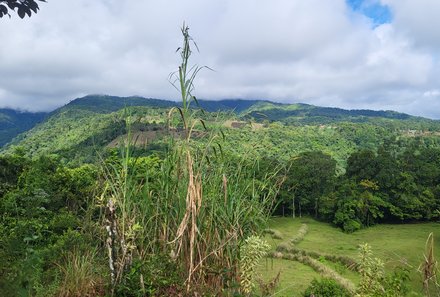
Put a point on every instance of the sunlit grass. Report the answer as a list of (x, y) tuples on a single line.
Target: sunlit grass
[(401, 244), (294, 279)]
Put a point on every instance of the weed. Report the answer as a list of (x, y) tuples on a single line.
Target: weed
[(79, 277)]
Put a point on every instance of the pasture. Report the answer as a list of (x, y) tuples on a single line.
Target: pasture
[(396, 245)]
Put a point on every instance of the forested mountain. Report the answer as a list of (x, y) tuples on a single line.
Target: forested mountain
[(13, 122), (108, 104), (91, 109), (87, 125)]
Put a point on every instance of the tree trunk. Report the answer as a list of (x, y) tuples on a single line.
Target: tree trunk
[(293, 206), (316, 208)]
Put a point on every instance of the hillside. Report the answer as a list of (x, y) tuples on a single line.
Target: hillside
[(305, 114), (88, 125), (108, 104), (13, 122)]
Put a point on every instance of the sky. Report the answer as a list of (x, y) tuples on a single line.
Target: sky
[(353, 54)]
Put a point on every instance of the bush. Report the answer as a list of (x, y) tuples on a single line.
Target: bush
[(325, 287), (351, 225), (157, 275)]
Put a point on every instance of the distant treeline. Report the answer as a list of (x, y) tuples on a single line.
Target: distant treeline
[(387, 185)]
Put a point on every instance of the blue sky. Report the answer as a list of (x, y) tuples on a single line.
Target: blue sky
[(378, 13)]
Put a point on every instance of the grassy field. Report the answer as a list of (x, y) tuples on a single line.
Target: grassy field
[(395, 244)]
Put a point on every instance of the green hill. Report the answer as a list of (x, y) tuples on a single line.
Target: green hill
[(297, 114), (90, 124), (13, 122), (107, 104)]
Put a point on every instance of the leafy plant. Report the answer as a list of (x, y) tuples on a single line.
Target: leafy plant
[(326, 287), (372, 273), (24, 7), (251, 252)]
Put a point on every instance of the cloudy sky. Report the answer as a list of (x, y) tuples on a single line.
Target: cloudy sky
[(375, 54)]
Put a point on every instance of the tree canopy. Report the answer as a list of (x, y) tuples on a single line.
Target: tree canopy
[(22, 7)]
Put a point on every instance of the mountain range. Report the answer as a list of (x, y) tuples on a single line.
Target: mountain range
[(93, 122)]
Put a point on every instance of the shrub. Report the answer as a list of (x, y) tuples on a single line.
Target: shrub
[(351, 226), (326, 287), (157, 275)]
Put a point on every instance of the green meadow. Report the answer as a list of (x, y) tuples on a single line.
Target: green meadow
[(396, 244)]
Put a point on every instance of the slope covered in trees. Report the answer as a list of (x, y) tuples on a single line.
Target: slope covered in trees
[(13, 122), (87, 125)]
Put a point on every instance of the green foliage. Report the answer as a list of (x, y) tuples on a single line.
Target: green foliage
[(326, 287), (251, 252), (86, 125), (196, 203), (388, 186), (40, 219), (156, 275), (374, 282), (180, 190), (372, 273), (310, 176)]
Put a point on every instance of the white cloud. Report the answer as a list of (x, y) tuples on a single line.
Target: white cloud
[(432, 93), (418, 20), (315, 51)]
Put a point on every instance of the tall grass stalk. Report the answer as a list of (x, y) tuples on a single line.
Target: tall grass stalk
[(216, 214), (194, 205), (429, 267)]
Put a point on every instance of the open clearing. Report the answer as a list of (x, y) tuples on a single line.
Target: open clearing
[(396, 245)]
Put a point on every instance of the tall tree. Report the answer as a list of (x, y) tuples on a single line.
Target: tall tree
[(313, 175), (362, 165)]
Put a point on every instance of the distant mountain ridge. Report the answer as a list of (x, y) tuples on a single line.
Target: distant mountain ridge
[(107, 103), (301, 113), (273, 110), (13, 123)]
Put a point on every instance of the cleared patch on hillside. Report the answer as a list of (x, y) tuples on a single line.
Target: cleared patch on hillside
[(241, 124), (142, 138)]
